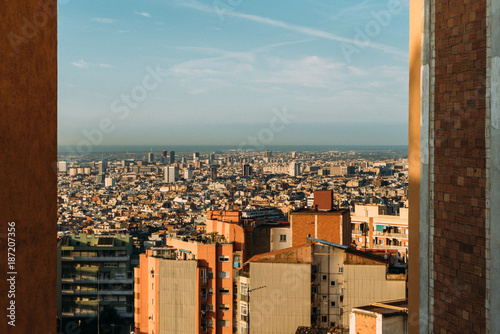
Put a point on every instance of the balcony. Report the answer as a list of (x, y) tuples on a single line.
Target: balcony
[(95, 258), (390, 235), (69, 314), (93, 292), (400, 248), (95, 281)]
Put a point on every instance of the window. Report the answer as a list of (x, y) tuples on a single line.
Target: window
[(341, 269), (223, 291), (323, 318), (314, 289), (111, 265), (244, 288), (210, 291), (203, 273), (333, 304), (324, 277), (332, 324), (224, 307), (223, 323), (333, 283), (223, 274), (244, 309), (325, 298), (282, 237), (210, 275), (210, 307), (223, 258), (243, 328), (210, 323)]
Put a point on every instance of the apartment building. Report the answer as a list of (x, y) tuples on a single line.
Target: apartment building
[(248, 236), (186, 287), (315, 284), (94, 271), (373, 229)]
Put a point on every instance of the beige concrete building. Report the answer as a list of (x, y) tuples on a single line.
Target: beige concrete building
[(316, 284)]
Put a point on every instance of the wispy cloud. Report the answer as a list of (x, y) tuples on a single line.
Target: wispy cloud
[(292, 27), (103, 20), (356, 8), (81, 63), (143, 14)]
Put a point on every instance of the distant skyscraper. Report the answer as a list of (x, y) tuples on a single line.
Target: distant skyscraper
[(171, 174), (62, 167), (196, 156), (211, 158), (247, 170), (269, 154), (102, 167), (151, 157), (188, 174), (213, 172), (294, 155), (171, 157), (164, 153), (183, 160), (109, 182), (294, 169)]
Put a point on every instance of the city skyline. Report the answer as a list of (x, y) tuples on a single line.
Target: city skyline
[(224, 72)]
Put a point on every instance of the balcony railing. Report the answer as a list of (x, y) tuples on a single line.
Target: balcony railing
[(93, 292), (392, 235), (79, 314), (95, 281), (390, 247), (95, 258)]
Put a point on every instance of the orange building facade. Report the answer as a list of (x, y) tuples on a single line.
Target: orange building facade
[(186, 286)]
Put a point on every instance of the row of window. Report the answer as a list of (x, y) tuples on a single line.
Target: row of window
[(203, 275), (222, 291)]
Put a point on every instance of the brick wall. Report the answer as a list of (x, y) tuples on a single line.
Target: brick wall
[(328, 227), (459, 167)]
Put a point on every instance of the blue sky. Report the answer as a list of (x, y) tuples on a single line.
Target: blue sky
[(218, 72)]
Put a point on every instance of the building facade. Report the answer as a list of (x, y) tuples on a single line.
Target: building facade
[(315, 284), (333, 226), (185, 287), (375, 231), (454, 166), (94, 272)]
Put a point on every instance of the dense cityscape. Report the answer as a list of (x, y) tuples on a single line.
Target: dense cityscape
[(178, 242)]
